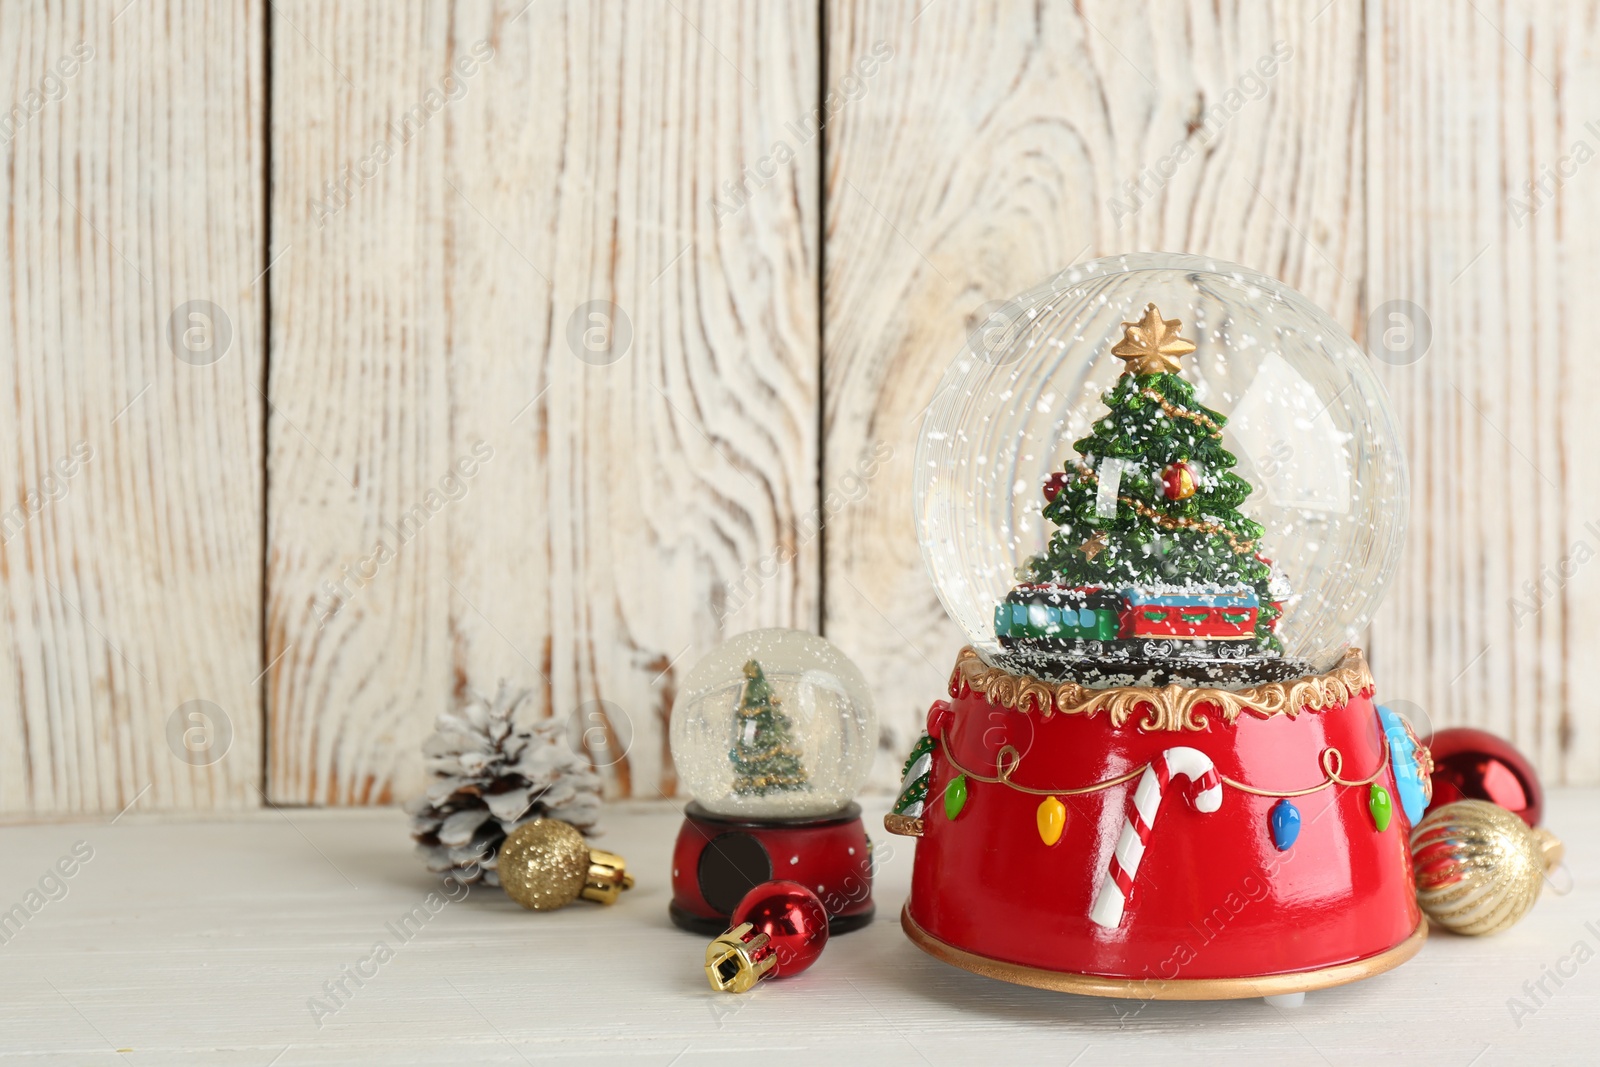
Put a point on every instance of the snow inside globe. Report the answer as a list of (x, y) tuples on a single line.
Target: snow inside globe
[(1161, 469), (774, 724)]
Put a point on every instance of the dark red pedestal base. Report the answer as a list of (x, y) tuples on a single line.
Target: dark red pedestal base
[(718, 859)]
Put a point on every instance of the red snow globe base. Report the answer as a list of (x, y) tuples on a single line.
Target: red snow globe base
[(718, 859), (1165, 843)]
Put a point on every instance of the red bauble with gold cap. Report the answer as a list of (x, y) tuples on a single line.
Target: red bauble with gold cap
[(1177, 481), (778, 930)]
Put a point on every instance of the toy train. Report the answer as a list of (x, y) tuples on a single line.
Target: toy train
[(1204, 621)]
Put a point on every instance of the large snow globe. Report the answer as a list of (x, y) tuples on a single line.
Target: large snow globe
[(1163, 499), (1161, 468)]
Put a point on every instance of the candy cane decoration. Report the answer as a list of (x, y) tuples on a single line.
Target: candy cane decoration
[(1204, 792)]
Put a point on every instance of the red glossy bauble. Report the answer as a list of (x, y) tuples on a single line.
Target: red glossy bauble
[(1476, 765), (1177, 481), (793, 917), (1054, 484)]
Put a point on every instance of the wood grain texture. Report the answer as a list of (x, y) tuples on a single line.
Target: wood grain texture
[(279, 906), (130, 479), (458, 490), (432, 302), (1495, 613), (986, 155)]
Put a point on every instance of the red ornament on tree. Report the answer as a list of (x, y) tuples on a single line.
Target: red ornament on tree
[(779, 929), (1177, 481), (1476, 765), (1054, 484)]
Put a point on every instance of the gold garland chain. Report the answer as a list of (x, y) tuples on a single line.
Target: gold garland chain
[(1174, 412), (771, 753), (1332, 761), (1167, 522)]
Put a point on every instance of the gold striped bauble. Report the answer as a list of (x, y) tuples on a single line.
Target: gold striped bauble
[(1478, 867)]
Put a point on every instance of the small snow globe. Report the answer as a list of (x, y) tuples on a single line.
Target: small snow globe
[(773, 736), (1161, 468), (774, 724)]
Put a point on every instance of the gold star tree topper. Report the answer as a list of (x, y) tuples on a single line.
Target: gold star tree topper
[(1152, 345)]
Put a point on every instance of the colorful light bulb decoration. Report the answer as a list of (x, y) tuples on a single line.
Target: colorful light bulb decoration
[(1052, 818), (1162, 639), (1285, 819), (955, 797), (1381, 806), (1413, 764)]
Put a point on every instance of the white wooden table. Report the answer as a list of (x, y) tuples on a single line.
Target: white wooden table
[(203, 942)]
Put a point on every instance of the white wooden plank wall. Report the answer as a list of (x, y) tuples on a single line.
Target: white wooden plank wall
[(436, 312), (457, 479), (1494, 620), (130, 478)]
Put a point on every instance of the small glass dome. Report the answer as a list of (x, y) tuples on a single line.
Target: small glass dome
[(1158, 468), (774, 724)]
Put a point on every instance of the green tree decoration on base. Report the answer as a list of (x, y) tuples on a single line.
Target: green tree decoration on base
[(1149, 502), (764, 754)]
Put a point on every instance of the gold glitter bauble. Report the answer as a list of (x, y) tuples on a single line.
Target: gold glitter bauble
[(543, 864), (1478, 867)]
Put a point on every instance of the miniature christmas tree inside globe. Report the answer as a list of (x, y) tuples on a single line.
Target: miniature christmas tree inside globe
[(1161, 469), (774, 724)]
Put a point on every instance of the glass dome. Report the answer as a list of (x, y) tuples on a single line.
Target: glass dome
[(1297, 555), (774, 724)]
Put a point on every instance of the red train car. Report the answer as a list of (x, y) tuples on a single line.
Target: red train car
[(1190, 615)]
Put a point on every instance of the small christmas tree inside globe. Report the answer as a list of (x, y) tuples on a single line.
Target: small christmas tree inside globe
[(774, 724), (1161, 469)]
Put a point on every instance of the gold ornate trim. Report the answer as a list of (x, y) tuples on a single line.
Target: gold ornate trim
[(1096, 985), (904, 825), (1171, 707)]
